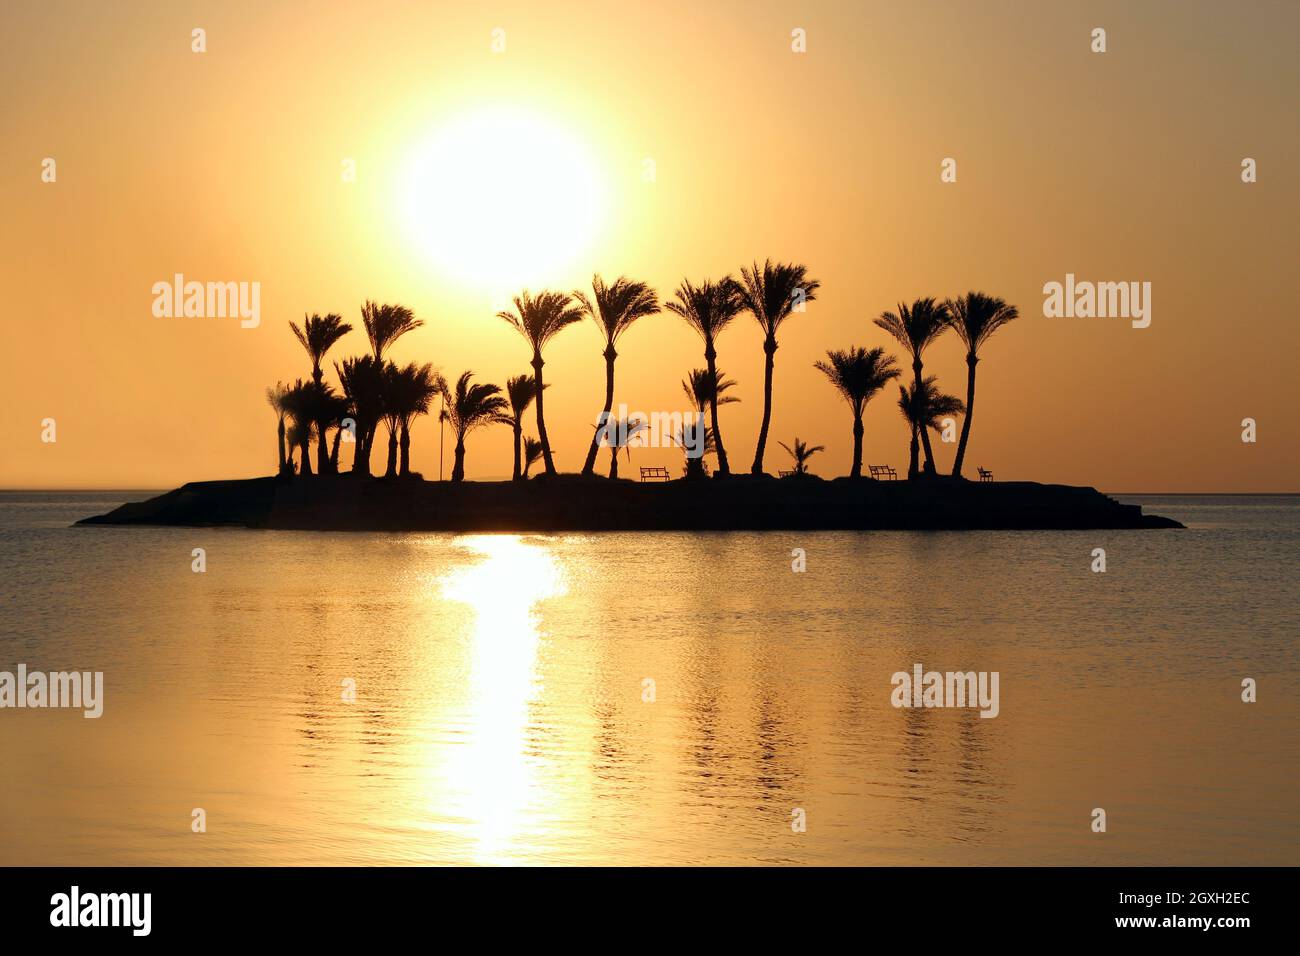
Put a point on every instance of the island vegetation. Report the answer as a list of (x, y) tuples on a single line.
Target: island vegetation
[(373, 390)]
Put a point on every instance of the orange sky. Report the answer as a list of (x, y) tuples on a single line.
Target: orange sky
[(225, 165)]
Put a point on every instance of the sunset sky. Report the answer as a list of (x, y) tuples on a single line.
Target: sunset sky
[(226, 166)]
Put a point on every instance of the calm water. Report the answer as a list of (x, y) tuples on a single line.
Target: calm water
[(499, 681)]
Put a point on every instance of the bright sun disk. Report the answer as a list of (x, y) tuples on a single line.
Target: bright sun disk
[(502, 199)]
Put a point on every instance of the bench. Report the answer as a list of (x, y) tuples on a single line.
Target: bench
[(654, 473), (882, 472), (985, 474)]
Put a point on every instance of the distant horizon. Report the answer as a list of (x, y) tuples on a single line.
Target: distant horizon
[(506, 478)]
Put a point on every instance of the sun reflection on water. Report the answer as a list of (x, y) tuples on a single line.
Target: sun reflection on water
[(507, 578)]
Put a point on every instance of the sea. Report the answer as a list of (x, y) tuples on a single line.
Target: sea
[(636, 699)]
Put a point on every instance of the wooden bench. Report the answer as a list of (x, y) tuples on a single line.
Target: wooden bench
[(985, 474), (882, 472), (654, 473)]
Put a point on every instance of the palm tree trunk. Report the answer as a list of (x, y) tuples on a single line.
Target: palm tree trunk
[(711, 360), (334, 451), (912, 467), (390, 471), (322, 448), (361, 456), (590, 465), (280, 431), (971, 359), (541, 420), (404, 468), (925, 432), (856, 471), (306, 458), (613, 461), (458, 468), (769, 349), (929, 454), (518, 435)]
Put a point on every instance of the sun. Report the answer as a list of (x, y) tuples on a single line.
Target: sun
[(500, 198)]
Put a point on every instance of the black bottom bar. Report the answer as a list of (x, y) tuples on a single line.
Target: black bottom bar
[(328, 905)]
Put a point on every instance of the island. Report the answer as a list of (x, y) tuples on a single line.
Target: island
[(565, 503)]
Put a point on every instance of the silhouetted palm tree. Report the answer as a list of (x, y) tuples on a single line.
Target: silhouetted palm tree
[(696, 440), (916, 327), (299, 437), (613, 308), (699, 386), (315, 405), (318, 335), (468, 407), (923, 408), (771, 294), (362, 378), (801, 453), (326, 409), (391, 416), (442, 421), (858, 375), (619, 434), (701, 391), (301, 403), (410, 393), (532, 452), (343, 421), (385, 324), (520, 390), (975, 317), (275, 398), (538, 319), (708, 308)]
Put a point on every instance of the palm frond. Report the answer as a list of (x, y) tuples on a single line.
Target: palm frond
[(275, 397), (539, 318), (520, 392), (926, 407), (615, 307), (916, 326), (532, 452), (385, 324), (801, 452), (471, 405), (318, 335), (976, 316), (700, 388), (858, 373), (769, 292), (709, 307)]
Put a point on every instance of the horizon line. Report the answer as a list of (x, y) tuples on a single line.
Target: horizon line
[(1123, 494)]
